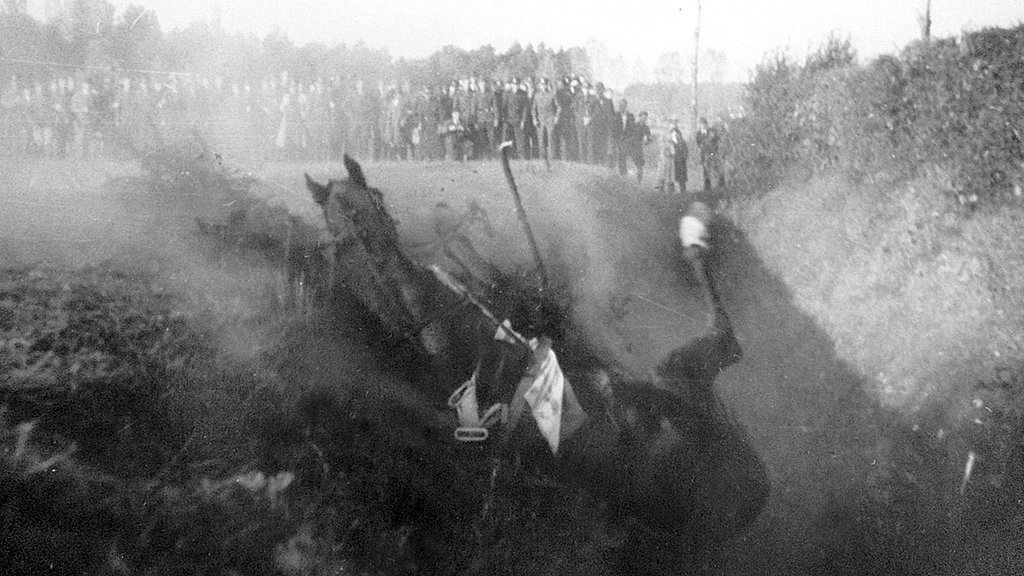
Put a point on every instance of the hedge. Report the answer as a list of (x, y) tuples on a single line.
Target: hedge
[(952, 107)]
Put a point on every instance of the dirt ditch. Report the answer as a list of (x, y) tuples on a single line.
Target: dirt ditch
[(187, 420)]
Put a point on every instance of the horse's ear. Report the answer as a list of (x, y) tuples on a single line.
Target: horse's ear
[(320, 192), (355, 171)]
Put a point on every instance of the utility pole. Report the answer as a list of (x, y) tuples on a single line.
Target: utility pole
[(926, 22), (696, 56)]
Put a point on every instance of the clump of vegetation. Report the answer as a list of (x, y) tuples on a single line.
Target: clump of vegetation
[(105, 469), (93, 350), (943, 109), (95, 456), (64, 515), (102, 389), (189, 166)]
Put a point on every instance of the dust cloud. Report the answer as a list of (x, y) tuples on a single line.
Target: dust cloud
[(841, 500)]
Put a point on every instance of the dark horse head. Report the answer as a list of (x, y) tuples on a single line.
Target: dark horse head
[(369, 265), (664, 453)]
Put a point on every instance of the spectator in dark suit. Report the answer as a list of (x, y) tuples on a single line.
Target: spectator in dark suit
[(456, 145), (707, 139), (611, 146), (565, 133), (485, 119), (679, 157), (545, 115), (517, 107), (498, 133), (581, 112), (624, 131), (531, 149), (641, 137), (600, 121), (511, 119)]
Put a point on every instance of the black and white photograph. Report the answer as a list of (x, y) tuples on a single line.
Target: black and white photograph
[(511, 287)]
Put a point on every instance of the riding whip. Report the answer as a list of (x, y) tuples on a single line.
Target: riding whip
[(521, 213)]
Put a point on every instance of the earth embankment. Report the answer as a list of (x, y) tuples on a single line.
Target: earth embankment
[(826, 289), (922, 297), (838, 447)]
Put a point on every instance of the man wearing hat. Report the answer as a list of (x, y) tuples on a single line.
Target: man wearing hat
[(565, 131), (612, 135), (707, 139), (545, 114), (530, 147), (497, 132), (673, 162), (483, 106), (517, 110), (680, 156), (508, 100), (624, 131), (581, 113), (641, 137), (599, 125)]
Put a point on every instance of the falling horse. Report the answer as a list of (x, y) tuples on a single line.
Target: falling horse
[(369, 264), (662, 452)]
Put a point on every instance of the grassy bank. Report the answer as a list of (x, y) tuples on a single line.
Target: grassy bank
[(923, 297)]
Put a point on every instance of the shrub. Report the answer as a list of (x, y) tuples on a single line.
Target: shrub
[(762, 146), (951, 106)]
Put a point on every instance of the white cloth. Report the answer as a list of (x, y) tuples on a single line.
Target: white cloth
[(545, 400), (693, 232), (545, 389)]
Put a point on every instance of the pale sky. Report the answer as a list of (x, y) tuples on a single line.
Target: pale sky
[(742, 29)]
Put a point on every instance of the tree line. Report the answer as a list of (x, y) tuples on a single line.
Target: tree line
[(90, 35)]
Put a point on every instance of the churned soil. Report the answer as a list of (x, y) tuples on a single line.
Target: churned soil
[(103, 272)]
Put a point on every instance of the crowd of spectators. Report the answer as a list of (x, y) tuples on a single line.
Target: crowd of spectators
[(280, 117)]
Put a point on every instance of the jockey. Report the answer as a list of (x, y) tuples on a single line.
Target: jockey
[(693, 234)]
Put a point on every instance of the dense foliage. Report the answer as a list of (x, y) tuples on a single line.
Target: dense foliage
[(948, 109)]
